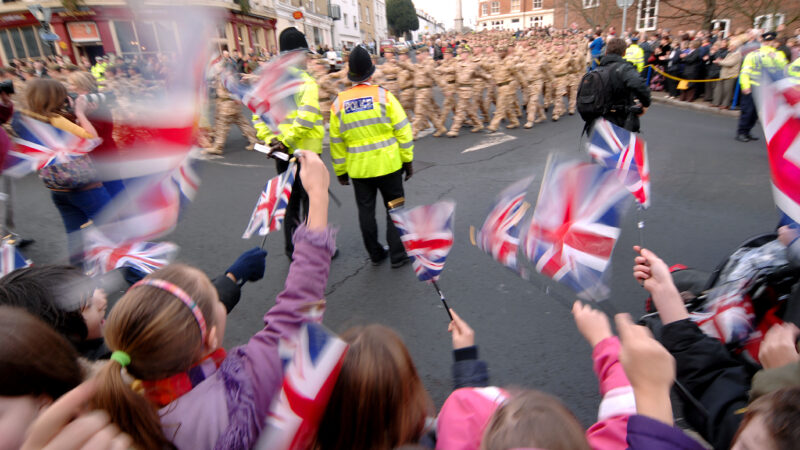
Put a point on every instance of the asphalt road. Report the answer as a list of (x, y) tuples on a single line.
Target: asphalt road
[(709, 193)]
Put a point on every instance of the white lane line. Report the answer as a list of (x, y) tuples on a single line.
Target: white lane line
[(490, 141)]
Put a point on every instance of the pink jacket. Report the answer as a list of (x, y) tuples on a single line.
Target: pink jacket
[(467, 411)]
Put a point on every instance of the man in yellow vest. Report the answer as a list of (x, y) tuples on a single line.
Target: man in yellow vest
[(793, 70), (302, 129), (765, 58), (634, 54), (372, 144)]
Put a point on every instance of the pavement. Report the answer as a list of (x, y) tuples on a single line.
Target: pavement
[(697, 105), (709, 193)]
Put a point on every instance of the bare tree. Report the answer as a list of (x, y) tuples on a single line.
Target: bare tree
[(753, 9), (704, 10), (604, 14)]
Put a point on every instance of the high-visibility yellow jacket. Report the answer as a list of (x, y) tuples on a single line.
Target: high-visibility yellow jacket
[(370, 133), (99, 70), (766, 56), (635, 55), (302, 128), (793, 70)]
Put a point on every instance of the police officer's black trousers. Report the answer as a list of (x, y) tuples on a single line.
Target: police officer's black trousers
[(749, 115), (299, 197), (366, 190)]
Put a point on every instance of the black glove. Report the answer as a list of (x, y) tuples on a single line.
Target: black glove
[(344, 180), (250, 266), (278, 146), (408, 168)]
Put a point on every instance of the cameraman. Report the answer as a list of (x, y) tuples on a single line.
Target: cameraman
[(630, 96)]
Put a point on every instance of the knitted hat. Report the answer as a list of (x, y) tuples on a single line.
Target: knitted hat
[(360, 65), (292, 39)]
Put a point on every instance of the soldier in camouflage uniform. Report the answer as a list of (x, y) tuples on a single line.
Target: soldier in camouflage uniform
[(504, 72), (537, 72), (468, 74), (228, 112), (447, 80), (405, 82), (425, 108)]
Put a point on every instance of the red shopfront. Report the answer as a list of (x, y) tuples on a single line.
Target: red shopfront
[(100, 30)]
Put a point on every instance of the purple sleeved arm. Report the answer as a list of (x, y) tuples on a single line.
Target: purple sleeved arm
[(300, 301)]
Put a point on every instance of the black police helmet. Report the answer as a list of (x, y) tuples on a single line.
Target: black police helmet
[(291, 39), (360, 65)]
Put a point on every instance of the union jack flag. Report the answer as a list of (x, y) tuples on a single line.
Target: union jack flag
[(102, 256), (427, 235), (730, 317), (11, 259), (271, 207), (499, 235), (275, 93), (47, 144), (778, 101), (617, 148), (308, 381), (17, 165), (575, 226)]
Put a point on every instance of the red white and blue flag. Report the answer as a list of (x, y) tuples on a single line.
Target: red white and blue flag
[(11, 259), (616, 148), (308, 380), (18, 165), (427, 235), (102, 256), (46, 144), (575, 226), (276, 91), (778, 101), (270, 210), (499, 235)]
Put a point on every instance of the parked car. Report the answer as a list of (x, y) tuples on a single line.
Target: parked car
[(386, 43)]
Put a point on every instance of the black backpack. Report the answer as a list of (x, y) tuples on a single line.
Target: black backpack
[(594, 93)]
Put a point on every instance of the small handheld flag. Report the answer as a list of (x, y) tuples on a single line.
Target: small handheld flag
[(616, 148), (270, 209), (427, 235), (308, 380), (575, 226), (102, 255), (499, 235), (274, 94)]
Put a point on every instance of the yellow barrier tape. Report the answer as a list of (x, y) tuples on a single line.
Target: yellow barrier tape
[(683, 79), (597, 61)]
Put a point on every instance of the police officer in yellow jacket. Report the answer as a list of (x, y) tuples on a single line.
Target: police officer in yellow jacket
[(793, 70), (634, 54), (302, 129), (750, 75), (372, 144)]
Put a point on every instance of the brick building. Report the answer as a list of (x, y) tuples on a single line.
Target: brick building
[(514, 14), (643, 15)]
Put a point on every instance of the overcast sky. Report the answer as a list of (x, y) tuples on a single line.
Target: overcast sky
[(445, 10)]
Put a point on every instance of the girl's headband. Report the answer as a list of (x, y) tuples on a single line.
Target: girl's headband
[(182, 296)]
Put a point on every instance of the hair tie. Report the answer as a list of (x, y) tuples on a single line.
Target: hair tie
[(181, 295), (121, 357)]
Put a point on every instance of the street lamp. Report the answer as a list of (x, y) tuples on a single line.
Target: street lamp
[(43, 15)]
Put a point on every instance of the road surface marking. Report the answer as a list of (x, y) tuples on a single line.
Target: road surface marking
[(490, 141)]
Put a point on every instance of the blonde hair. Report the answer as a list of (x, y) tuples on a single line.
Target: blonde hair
[(83, 80), (162, 338)]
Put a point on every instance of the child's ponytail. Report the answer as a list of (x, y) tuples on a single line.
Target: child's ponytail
[(129, 410)]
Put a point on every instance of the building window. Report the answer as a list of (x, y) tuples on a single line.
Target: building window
[(537, 21), (647, 15), (537, 4), (514, 5), (768, 21), (495, 7), (591, 4), (514, 20), (145, 37), (484, 10), (23, 43), (345, 21), (723, 25), (366, 14)]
